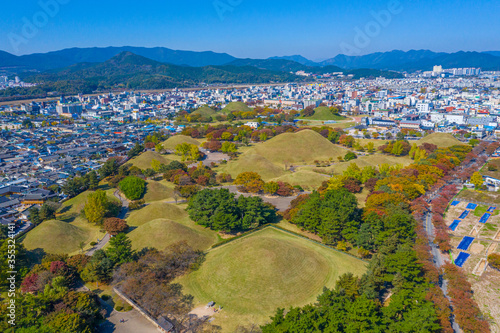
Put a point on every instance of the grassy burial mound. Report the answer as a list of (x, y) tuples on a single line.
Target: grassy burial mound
[(323, 113), (205, 112), (252, 276), (443, 140), (56, 237), (157, 191), (161, 233), (236, 106), (143, 161), (175, 140), (156, 210), (303, 147)]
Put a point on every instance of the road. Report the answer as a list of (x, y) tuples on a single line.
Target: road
[(435, 251), (121, 215)]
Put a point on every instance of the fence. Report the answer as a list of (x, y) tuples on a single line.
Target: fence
[(145, 314)]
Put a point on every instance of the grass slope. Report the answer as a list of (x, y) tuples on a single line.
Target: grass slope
[(161, 233), (252, 276), (56, 237), (175, 140), (236, 106), (156, 191), (143, 161), (440, 139), (303, 147), (156, 210), (323, 113), (205, 111)]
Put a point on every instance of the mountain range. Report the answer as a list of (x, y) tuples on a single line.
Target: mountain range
[(409, 61)]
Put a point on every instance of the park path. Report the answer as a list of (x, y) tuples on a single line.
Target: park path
[(107, 237)]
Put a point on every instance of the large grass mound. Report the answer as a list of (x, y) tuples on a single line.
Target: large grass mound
[(161, 233), (156, 210), (156, 191), (303, 147), (252, 162), (175, 140), (323, 113), (236, 106), (205, 111), (143, 161), (56, 237), (440, 139), (252, 276)]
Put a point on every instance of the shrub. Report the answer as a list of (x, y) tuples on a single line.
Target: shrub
[(119, 308), (105, 297), (93, 243)]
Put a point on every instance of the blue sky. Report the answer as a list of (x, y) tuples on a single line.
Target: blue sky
[(253, 28)]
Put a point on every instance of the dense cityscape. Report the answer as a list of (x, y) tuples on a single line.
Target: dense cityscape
[(249, 167)]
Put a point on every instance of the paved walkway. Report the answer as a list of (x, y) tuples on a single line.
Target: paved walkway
[(134, 322)]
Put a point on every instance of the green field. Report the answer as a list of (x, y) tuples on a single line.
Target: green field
[(161, 233), (236, 106), (143, 161), (175, 140), (158, 190), (323, 113), (440, 139), (252, 276)]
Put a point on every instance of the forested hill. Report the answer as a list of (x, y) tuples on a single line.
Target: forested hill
[(130, 71)]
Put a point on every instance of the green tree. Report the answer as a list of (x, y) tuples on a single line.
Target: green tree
[(228, 147), (133, 187), (120, 249), (156, 165), (271, 187), (109, 168), (477, 180), (96, 206)]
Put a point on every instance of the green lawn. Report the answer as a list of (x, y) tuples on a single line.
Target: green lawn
[(252, 276)]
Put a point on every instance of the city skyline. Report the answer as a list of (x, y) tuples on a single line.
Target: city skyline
[(316, 31)]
